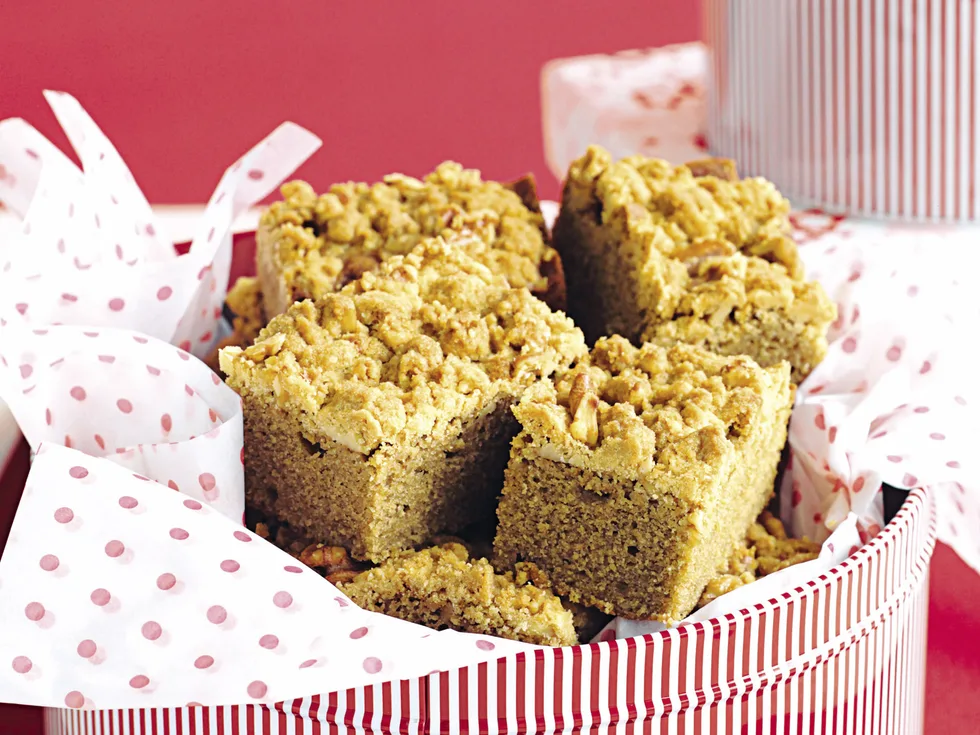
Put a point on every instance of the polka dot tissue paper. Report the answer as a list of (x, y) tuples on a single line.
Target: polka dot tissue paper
[(128, 579)]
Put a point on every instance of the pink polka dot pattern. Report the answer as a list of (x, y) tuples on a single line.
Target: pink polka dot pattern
[(87, 648), (49, 562), (203, 662), (242, 536), (485, 645), (179, 534), (128, 502), (100, 597), (192, 504), (115, 549), (166, 581), (64, 515), (79, 473), (308, 663), (217, 614), (230, 565), (139, 682), (269, 642), (22, 664), (151, 630), (74, 700), (282, 599), (34, 611), (257, 689), (372, 665), (358, 633)]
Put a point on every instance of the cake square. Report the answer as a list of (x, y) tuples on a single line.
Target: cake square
[(664, 254), (638, 471), (442, 587), (380, 415), (308, 245)]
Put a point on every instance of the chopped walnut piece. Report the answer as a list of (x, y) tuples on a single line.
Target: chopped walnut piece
[(721, 168), (342, 576), (696, 253)]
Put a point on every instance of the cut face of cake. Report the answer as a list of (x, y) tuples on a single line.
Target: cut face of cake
[(693, 254), (638, 471), (309, 245), (380, 415), (441, 587)]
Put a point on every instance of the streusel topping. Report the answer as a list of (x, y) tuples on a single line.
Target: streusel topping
[(427, 338), (328, 240), (641, 409), (696, 204)]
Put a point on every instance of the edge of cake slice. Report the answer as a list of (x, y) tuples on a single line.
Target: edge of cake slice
[(638, 471), (692, 254)]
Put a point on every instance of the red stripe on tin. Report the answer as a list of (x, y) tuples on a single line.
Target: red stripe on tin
[(481, 695), (559, 684), (500, 706)]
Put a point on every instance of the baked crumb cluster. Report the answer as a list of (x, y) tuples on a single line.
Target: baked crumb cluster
[(767, 549), (309, 245), (441, 587), (624, 408), (701, 256), (421, 341)]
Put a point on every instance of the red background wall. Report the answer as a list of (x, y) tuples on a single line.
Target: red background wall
[(183, 87)]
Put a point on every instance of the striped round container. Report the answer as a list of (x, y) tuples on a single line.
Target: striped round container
[(869, 107), (843, 654)]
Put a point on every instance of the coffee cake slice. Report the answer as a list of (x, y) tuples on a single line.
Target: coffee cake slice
[(308, 246), (637, 472), (441, 587), (380, 415), (661, 253)]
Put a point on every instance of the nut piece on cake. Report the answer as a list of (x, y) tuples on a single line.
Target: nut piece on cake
[(244, 304), (309, 245), (380, 415), (441, 587), (667, 254), (639, 509)]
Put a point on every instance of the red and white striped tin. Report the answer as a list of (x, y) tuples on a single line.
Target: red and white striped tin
[(864, 106), (844, 653)]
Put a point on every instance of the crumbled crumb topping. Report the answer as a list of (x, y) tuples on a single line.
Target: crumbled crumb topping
[(467, 592), (700, 243), (640, 408), (326, 241), (428, 337)]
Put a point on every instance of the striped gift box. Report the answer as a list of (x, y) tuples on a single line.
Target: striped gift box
[(844, 653), (862, 106)]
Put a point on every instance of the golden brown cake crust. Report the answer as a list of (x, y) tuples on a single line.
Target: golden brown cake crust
[(309, 245), (426, 339), (441, 587), (380, 415), (638, 470), (658, 253), (627, 410)]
